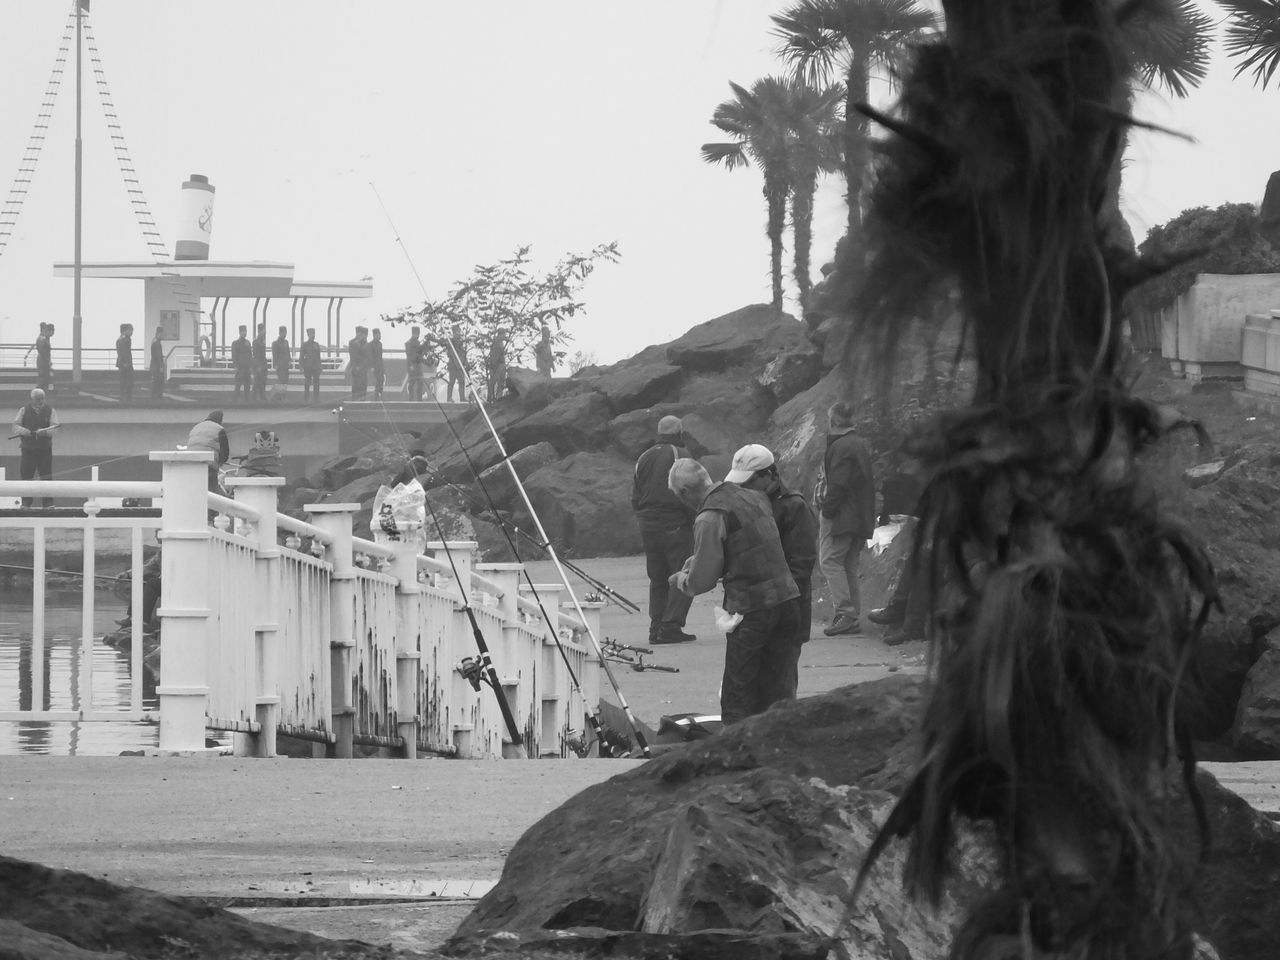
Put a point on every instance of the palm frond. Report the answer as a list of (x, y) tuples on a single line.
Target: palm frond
[(1169, 42), (732, 155), (1253, 37)]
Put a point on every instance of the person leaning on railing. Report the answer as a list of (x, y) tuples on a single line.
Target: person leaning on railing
[(33, 427)]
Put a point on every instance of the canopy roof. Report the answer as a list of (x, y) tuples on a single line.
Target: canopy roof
[(222, 278)]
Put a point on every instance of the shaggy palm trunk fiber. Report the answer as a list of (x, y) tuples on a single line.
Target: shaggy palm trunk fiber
[(1066, 603)]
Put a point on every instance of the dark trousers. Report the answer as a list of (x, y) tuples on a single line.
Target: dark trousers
[(310, 382), (790, 683), (667, 545), (157, 381), (757, 661), (260, 382), (34, 462), (126, 383), (359, 382), (415, 381), (44, 377), (243, 380), (379, 381)]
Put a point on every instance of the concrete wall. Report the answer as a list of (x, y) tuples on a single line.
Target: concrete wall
[(1260, 353), (1202, 331)]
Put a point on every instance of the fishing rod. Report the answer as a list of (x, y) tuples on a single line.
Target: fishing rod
[(511, 526), (64, 573), (524, 495), (484, 667)]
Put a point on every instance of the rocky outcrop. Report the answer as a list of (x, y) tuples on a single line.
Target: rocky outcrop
[(637, 387), (742, 337), (571, 424), (758, 832), (527, 461), (580, 501)]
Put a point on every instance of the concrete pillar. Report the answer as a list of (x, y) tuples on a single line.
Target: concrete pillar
[(590, 676), (261, 493), (404, 567), (184, 598), (335, 519)]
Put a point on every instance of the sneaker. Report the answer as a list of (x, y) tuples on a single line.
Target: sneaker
[(687, 636), (843, 625), (899, 637), (886, 616), (671, 634)]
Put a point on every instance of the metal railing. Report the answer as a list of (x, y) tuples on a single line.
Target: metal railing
[(352, 643)]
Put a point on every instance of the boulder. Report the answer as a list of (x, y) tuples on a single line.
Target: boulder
[(361, 490), (751, 336), (724, 411), (584, 502), (449, 456), (797, 431), (758, 831), (791, 372), (530, 388), (527, 461), (570, 424), (1203, 473), (632, 387), (1257, 727)]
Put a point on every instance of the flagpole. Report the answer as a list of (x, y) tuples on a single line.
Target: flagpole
[(76, 322)]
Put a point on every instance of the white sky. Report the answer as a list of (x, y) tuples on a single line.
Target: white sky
[(561, 124)]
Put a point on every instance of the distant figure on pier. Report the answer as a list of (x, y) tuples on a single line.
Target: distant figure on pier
[(309, 361), (242, 361), (157, 364), (209, 434), (414, 350), (358, 363), (430, 371), (543, 357), (124, 361), (44, 356), (282, 356), (457, 364), (496, 372), (376, 365), (34, 426), (260, 364)]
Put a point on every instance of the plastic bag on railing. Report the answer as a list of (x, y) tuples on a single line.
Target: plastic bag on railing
[(399, 513)]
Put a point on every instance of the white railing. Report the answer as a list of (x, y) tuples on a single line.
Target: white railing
[(259, 638)]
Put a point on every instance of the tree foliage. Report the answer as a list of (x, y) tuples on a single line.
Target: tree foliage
[(1229, 239), (508, 303), (1253, 37)]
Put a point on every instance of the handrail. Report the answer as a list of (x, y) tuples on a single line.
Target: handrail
[(491, 587), (302, 528), (233, 508), (432, 565), (360, 545), (89, 489)]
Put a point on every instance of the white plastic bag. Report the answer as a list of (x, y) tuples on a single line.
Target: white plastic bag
[(399, 513), (726, 621)]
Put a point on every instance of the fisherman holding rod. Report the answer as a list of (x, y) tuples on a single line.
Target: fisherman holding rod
[(33, 429)]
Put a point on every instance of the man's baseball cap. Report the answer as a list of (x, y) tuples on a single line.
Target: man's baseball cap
[(747, 461), (670, 427)]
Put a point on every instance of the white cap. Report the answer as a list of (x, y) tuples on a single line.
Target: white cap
[(747, 461)]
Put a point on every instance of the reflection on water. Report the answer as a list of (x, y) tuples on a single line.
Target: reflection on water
[(62, 669)]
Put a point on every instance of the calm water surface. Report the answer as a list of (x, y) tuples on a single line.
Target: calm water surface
[(62, 654)]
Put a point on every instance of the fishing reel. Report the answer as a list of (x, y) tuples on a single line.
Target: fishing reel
[(473, 672)]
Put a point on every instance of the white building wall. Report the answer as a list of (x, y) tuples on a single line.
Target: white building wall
[(1203, 329)]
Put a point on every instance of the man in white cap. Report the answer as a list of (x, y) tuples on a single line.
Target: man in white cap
[(736, 540), (754, 468), (666, 531)]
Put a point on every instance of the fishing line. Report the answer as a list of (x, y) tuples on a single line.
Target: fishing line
[(469, 383)]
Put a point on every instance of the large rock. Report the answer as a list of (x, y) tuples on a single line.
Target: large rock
[(758, 831), (751, 336), (361, 490), (570, 424), (724, 411), (632, 386), (631, 433), (797, 430), (527, 461), (791, 372), (584, 502), (1257, 726)]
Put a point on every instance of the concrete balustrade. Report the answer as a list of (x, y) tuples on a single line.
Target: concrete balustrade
[(380, 666)]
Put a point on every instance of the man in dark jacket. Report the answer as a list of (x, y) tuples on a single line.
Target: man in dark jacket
[(124, 361), (754, 468), (44, 356), (157, 364), (848, 516), (735, 539), (309, 361), (666, 531), (282, 355), (358, 364), (377, 366), (242, 361), (260, 364), (413, 357)]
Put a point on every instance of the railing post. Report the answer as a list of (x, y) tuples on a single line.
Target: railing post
[(589, 678), (404, 567), (184, 598), (335, 519), (516, 667), (553, 681), (261, 493)]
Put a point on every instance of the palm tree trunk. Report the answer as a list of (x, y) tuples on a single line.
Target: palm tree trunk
[(855, 157), (802, 234), (775, 194)]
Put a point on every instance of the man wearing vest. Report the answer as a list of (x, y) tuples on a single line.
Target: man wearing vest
[(754, 468), (666, 531), (848, 517), (209, 434), (34, 426), (735, 539)]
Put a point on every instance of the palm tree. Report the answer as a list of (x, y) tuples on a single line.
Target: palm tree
[(820, 38), (812, 119), (1253, 38), (759, 130), (1067, 600)]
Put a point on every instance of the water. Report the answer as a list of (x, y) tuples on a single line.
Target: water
[(111, 678)]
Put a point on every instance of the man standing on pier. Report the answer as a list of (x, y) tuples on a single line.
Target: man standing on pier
[(260, 364), (358, 364), (376, 365), (124, 361), (44, 356), (282, 356), (413, 357), (157, 364), (34, 426), (242, 361), (309, 360)]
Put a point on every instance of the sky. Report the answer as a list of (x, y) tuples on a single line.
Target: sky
[(484, 127)]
